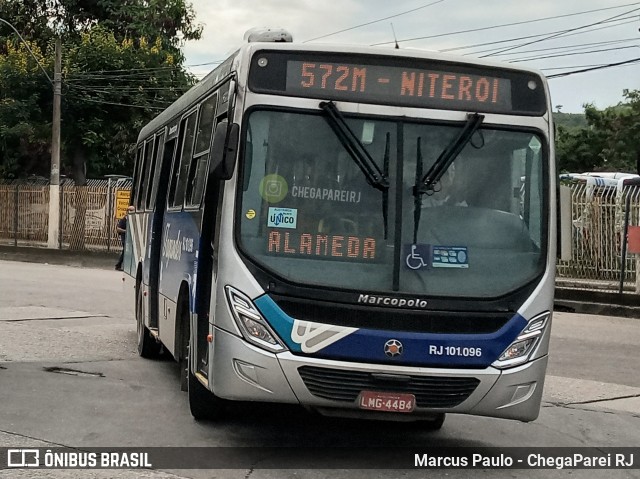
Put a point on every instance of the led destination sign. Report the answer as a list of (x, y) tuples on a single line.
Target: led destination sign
[(427, 88), (398, 81), (322, 246)]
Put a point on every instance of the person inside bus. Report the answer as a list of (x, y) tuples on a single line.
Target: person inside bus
[(121, 228)]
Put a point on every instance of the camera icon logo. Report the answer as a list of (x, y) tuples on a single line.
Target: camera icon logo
[(273, 188), (23, 458)]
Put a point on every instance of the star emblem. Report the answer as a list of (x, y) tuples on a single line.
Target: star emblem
[(393, 348)]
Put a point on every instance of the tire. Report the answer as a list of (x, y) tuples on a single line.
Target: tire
[(148, 347), (204, 405), (183, 365), (434, 424), (202, 402)]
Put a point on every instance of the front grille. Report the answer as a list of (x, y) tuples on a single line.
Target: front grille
[(344, 385)]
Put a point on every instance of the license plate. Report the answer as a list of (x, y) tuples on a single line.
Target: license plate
[(389, 402)]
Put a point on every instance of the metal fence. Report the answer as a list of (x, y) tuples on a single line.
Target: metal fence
[(88, 219), (599, 214), (24, 213), (87, 214)]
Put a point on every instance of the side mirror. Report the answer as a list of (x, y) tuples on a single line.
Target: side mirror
[(223, 150)]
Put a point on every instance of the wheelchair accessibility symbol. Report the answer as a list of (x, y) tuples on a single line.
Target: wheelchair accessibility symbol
[(418, 256)]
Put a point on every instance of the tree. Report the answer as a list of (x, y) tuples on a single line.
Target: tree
[(609, 142), (122, 63), (112, 89), (619, 129), (25, 96)]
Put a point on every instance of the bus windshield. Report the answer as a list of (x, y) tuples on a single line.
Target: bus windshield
[(308, 213)]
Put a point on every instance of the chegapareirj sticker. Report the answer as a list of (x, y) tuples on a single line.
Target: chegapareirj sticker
[(282, 218), (273, 188)]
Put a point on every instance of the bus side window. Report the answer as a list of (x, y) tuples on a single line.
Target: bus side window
[(200, 160), (182, 161), (137, 174), (156, 166), (144, 175)]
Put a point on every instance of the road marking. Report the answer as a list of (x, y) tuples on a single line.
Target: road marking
[(31, 313)]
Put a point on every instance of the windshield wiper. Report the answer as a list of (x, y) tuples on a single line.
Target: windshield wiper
[(417, 198), (450, 153), (425, 184), (385, 192), (372, 172)]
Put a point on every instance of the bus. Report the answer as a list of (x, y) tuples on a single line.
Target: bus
[(362, 231)]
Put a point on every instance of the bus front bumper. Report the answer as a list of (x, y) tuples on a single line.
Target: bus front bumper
[(241, 371)]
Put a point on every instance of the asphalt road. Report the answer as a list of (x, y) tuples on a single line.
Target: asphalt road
[(70, 375)]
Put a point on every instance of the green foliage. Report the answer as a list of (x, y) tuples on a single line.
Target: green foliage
[(570, 120), (113, 87), (122, 64), (25, 94), (610, 141)]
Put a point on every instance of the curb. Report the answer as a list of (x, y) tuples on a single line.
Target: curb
[(78, 259), (584, 301), (601, 309)]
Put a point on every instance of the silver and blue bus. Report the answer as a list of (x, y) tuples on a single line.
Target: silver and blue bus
[(366, 232)]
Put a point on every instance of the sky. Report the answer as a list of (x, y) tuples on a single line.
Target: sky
[(551, 35)]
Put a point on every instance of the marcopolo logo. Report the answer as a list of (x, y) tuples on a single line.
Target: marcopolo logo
[(393, 302), (282, 218)]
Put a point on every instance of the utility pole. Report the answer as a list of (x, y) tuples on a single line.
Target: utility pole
[(54, 183)]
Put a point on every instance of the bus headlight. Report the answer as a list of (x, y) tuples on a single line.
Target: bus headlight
[(520, 349), (251, 323)]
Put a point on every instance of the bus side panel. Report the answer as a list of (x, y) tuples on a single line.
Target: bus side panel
[(178, 264)]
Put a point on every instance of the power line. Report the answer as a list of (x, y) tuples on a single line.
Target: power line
[(568, 54), (131, 80), (110, 89), (508, 24), (122, 91), (119, 76), (496, 42), (24, 42), (586, 66), (577, 47), (127, 70), (559, 34), (372, 22), (117, 104), (106, 73), (601, 67), (573, 66)]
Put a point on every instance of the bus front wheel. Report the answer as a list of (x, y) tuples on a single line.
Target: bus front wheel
[(202, 402)]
